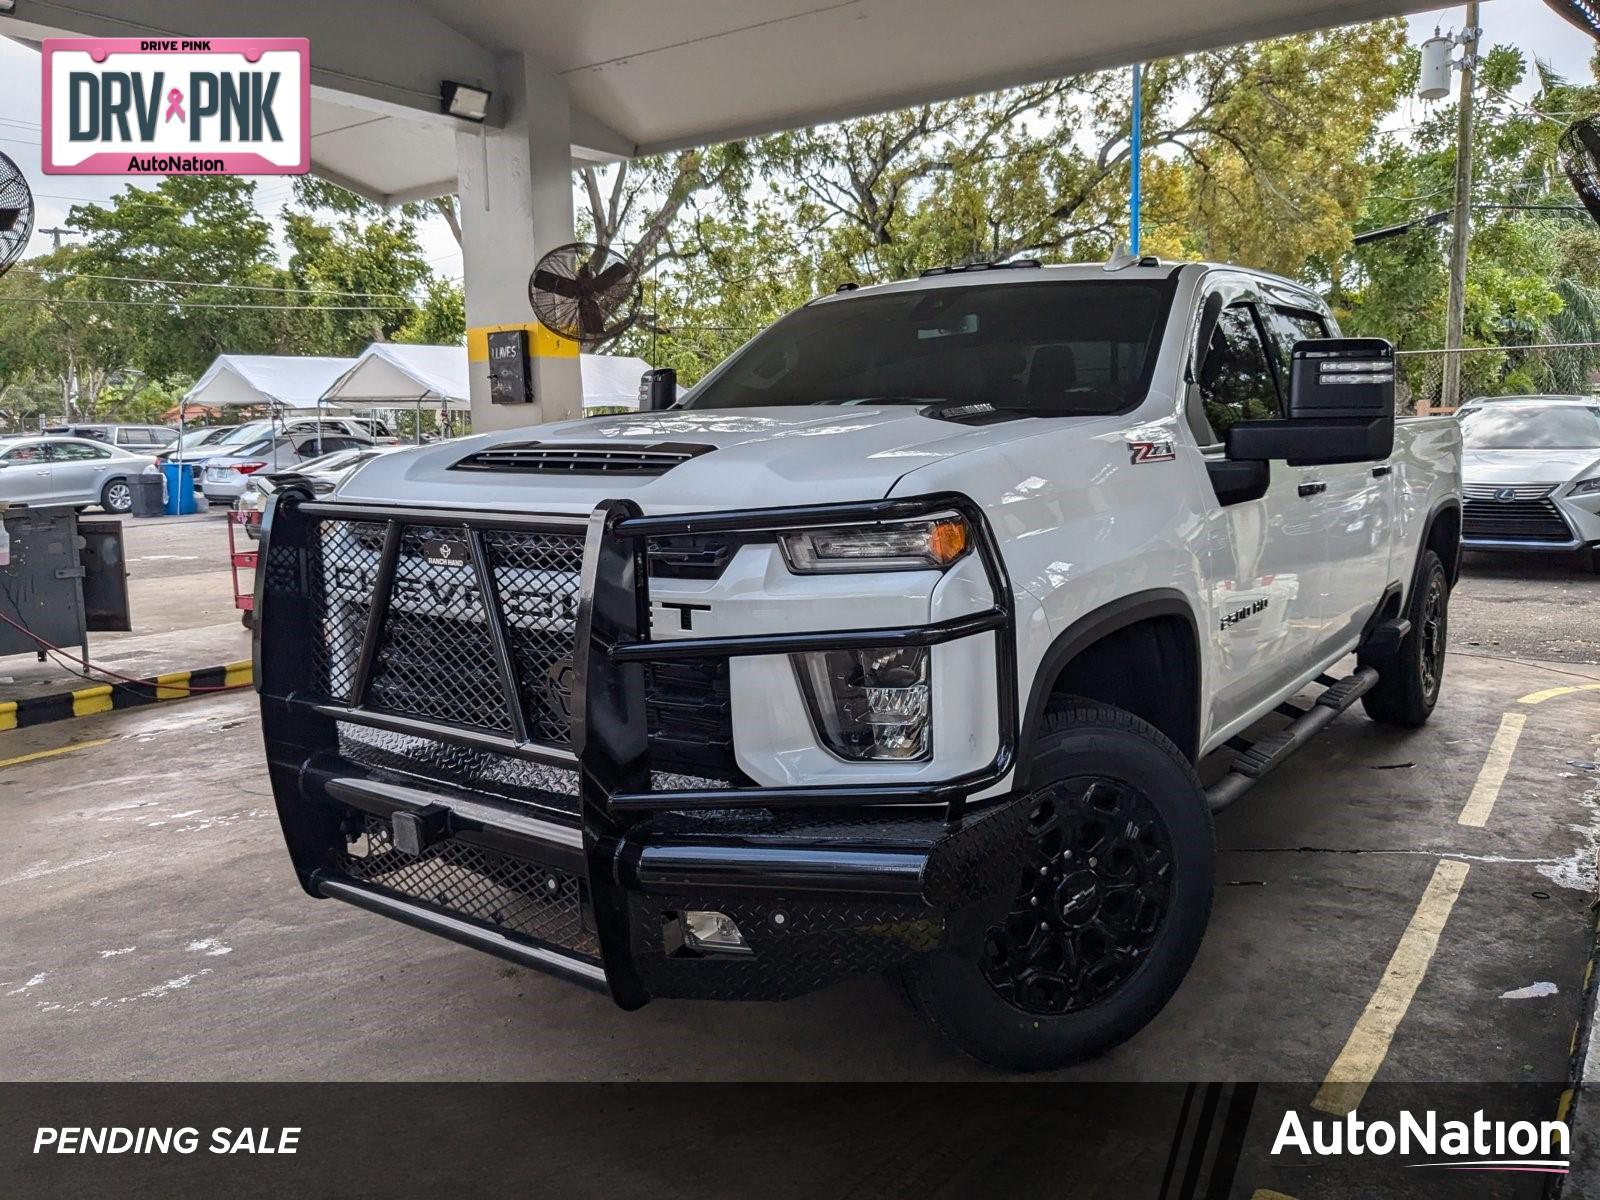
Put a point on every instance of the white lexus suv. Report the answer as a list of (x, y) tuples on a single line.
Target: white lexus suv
[(1530, 470)]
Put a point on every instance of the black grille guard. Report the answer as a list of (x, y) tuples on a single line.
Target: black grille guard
[(610, 749)]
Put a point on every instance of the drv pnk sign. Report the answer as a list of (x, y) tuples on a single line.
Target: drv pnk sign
[(177, 106)]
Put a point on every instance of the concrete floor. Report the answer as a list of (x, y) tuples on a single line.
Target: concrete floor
[(153, 930)]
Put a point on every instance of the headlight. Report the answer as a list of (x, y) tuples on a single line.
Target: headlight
[(926, 544), (870, 705), (1585, 486)]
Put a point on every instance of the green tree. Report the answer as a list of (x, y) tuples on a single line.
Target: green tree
[(440, 320)]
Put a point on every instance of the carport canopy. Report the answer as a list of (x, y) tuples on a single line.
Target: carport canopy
[(601, 81), (276, 381)]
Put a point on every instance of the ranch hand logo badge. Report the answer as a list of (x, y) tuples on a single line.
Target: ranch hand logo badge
[(171, 106)]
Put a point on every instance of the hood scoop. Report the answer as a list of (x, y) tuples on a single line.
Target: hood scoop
[(580, 458), (964, 412)]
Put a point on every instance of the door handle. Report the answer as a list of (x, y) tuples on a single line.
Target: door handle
[(1380, 472), (1312, 489)]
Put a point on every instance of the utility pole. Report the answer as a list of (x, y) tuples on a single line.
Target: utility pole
[(1136, 155), (1461, 229), (56, 233)]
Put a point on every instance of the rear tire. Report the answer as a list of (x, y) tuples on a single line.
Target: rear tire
[(1408, 684), (117, 496), (1111, 906)]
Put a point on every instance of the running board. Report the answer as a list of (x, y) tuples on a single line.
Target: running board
[(1256, 759)]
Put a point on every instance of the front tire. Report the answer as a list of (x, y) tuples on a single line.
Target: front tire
[(1408, 683), (1110, 909), (117, 496)]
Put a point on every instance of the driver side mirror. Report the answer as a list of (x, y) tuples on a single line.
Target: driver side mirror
[(1341, 407), (658, 390)]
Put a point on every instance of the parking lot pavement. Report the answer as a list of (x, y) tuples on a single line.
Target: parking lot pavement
[(154, 931), (1539, 606)]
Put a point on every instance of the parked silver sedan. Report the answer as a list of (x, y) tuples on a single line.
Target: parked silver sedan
[(42, 471), (226, 475)]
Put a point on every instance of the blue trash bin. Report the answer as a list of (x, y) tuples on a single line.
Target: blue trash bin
[(180, 488)]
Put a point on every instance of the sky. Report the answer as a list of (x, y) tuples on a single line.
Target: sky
[(1527, 24)]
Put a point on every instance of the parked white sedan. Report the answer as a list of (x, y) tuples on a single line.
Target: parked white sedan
[(42, 471)]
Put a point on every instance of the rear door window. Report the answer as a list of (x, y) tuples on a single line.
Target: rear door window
[(1236, 383), (1284, 328)]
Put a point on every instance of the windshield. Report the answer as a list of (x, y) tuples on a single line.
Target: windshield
[(1531, 427), (245, 434), (1049, 348), (195, 437)]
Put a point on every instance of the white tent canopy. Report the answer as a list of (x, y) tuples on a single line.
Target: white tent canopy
[(390, 374), (611, 381), (266, 380)]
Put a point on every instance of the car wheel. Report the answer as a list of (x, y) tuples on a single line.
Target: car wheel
[(1409, 682), (117, 496), (1110, 909)]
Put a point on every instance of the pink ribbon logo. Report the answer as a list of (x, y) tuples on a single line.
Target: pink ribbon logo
[(175, 105)]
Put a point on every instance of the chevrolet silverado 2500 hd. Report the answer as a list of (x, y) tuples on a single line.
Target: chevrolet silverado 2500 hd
[(892, 647)]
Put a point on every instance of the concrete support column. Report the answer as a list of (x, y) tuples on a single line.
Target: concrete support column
[(516, 204)]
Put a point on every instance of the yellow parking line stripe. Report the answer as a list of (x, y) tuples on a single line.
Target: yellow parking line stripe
[(1552, 693), (38, 754), (1357, 1065), (1268, 1194), (1493, 772)]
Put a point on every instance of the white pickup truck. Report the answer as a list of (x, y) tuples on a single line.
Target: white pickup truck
[(896, 645)]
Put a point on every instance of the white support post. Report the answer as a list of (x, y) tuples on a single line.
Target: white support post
[(515, 205)]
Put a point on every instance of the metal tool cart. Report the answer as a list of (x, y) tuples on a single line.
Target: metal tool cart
[(62, 579)]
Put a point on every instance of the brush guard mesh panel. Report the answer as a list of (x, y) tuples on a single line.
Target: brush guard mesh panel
[(542, 903)]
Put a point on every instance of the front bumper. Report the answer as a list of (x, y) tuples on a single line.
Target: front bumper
[(1529, 517), (579, 859)]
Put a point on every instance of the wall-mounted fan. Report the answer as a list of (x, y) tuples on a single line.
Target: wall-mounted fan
[(583, 292), (1580, 158), (16, 213)]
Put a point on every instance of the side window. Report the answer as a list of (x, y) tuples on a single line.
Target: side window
[(1284, 328), (1236, 383), (26, 454), (77, 452)]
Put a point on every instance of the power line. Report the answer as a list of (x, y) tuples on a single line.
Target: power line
[(236, 287), (309, 308)]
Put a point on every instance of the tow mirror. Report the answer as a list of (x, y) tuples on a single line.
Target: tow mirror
[(658, 389), (1341, 407)]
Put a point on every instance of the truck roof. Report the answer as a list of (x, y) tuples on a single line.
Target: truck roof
[(1029, 271)]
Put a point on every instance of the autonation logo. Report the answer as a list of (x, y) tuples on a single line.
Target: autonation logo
[(177, 106), (1476, 1145)]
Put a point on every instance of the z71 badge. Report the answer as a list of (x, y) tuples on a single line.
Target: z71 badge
[(1148, 452)]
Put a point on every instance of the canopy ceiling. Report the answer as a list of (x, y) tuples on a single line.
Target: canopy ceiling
[(651, 75)]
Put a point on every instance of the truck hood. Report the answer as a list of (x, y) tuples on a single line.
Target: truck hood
[(758, 458), (1527, 466)]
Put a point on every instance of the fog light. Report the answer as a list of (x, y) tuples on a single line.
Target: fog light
[(713, 931), (870, 705)]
